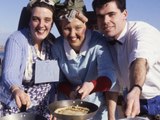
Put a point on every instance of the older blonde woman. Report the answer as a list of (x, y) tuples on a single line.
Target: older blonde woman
[(84, 60)]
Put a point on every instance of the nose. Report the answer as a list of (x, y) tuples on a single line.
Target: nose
[(41, 23), (106, 19), (72, 33)]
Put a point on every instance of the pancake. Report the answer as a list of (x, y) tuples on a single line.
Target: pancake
[(72, 110)]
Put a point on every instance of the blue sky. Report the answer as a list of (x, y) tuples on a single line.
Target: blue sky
[(144, 10)]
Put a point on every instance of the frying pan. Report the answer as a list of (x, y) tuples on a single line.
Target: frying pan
[(64, 103), (136, 118), (23, 116)]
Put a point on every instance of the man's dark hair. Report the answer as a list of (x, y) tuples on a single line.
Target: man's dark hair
[(121, 4)]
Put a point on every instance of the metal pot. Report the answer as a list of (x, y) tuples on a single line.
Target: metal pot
[(64, 103), (23, 116)]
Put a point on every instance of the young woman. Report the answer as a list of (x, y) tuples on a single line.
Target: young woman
[(25, 52)]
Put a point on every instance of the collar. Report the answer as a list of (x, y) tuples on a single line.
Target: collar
[(71, 54), (121, 38)]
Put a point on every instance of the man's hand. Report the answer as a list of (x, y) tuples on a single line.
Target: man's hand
[(133, 102), (138, 71)]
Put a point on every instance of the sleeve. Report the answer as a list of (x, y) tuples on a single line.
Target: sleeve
[(145, 43), (105, 64), (101, 84), (64, 86), (12, 62)]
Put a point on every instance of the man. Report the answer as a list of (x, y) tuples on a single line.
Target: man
[(135, 50)]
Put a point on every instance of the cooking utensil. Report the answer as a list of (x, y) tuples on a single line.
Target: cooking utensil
[(23, 108), (23, 116), (65, 103), (136, 118)]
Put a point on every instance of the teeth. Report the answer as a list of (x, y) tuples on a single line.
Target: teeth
[(40, 31), (73, 39)]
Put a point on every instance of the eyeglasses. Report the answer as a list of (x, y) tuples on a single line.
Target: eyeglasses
[(49, 2)]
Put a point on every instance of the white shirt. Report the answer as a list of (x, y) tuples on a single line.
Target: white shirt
[(139, 40)]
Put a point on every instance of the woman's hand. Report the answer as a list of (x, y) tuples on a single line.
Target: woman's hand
[(85, 89), (21, 97), (82, 91), (52, 117)]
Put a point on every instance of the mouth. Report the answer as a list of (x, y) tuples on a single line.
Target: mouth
[(73, 39), (40, 31), (107, 28)]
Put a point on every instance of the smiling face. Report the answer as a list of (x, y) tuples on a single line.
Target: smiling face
[(110, 19), (74, 32), (40, 23)]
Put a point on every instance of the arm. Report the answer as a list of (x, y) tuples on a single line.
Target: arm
[(111, 100), (101, 84), (106, 71), (138, 70), (64, 86), (13, 68), (12, 62)]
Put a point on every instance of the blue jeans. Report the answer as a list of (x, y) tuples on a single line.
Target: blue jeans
[(150, 106)]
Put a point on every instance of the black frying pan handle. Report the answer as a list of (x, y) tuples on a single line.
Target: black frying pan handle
[(78, 95), (23, 108)]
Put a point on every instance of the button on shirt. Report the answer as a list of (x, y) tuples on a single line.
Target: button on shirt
[(139, 40)]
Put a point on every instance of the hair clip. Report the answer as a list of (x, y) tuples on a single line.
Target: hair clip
[(49, 2), (71, 15)]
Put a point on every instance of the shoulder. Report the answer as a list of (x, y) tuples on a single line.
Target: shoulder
[(96, 35), (58, 44), (143, 34), (51, 39), (97, 38), (20, 33), (19, 36), (59, 41), (60, 38), (138, 26)]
